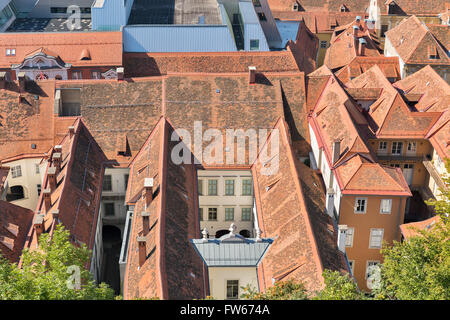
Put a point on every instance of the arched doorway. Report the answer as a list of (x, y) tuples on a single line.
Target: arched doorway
[(112, 242), (221, 233), (15, 193), (245, 233)]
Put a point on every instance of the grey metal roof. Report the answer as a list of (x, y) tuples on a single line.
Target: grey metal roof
[(231, 251)]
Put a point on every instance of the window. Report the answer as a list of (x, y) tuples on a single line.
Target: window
[(384, 29), (349, 237), (369, 267), (262, 16), (96, 75), (36, 167), (16, 171), (15, 193), (212, 187), (395, 165), (58, 9), (382, 147), (247, 187), (412, 146), (85, 10), (246, 214), (323, 44), (232, 289), (10, 52), (229, 214), (376, 238), (360, 205), (397, 148), (385, 207), (107, 183), (76, 75), (212, 214), (200, 213), (126, 177), (39, 188), (229, 187), (352, 265), (200, 187), (254, 44), (109, 209), (256, 3)]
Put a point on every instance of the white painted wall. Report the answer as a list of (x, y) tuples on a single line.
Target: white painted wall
[(218, 277)]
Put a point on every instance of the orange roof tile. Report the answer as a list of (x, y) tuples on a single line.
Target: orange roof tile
[(410, 230)]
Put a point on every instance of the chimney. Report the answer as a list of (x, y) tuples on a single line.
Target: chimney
[(56, 160), (47, 199), (148, 191), (71, 131), (55, 214), (51, 176), (2, 80), (362, 46), (358, 19), (336, 151), (142, 244), (251, 75), (355, 31), (58, 148), (342, 237), (38, 224), (145, 222), (120, 72), (22, 79)]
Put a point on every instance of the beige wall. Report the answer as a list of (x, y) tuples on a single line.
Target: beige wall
[(29, 180), (218, 277), (222, 201), (322, 51), (359, 251)]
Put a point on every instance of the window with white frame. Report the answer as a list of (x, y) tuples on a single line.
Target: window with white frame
[(212, 214), (349, 237), (16, 171), (232, 289), (229, 187), (229, 214), (323, 44), (247, 187), (412, 146), (385, 206), (382, 147), (397, 148), (246, 214), (376, 238), (352, 265), (369, 267), (212, 187), (36, 167), (360, 205), (200, 187)]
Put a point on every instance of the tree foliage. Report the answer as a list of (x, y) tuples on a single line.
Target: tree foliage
[(339, 287), (50, 272), (282, 290)]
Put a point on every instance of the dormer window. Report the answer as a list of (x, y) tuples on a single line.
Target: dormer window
[(344, 8), (433, 53), (10, 52)]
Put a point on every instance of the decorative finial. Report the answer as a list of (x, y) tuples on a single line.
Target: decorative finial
[(205, 235), (232, 228), (258, 235)]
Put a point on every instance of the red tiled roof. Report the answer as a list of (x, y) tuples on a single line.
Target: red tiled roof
[(304, 48), (319, 5), (14, 224), (344, 45), (418, 7), (78, 188), (410, 230), (155, 64), (172, 269), (305, 239), (105, 48), (414, 43), (388, 65)]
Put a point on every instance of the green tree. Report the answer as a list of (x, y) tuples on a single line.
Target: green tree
[(442, 206), (50, 272), (283, 290), (339, 287)]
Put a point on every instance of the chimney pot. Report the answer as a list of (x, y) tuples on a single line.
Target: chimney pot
[(145, 222), (56, 159), (22, 80), (55, 214), (2, 80), (342, 237), (47, 199), (120, 73), (336, 151), (71, 131), (362, 46), (38, 224), (51, 175), (142, 244), (251, 74), (148, 191)]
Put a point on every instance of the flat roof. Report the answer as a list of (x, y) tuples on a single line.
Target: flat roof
[(46, 25), (175, 12)]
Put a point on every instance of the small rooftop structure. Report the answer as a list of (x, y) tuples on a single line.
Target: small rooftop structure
[(232, 250)]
